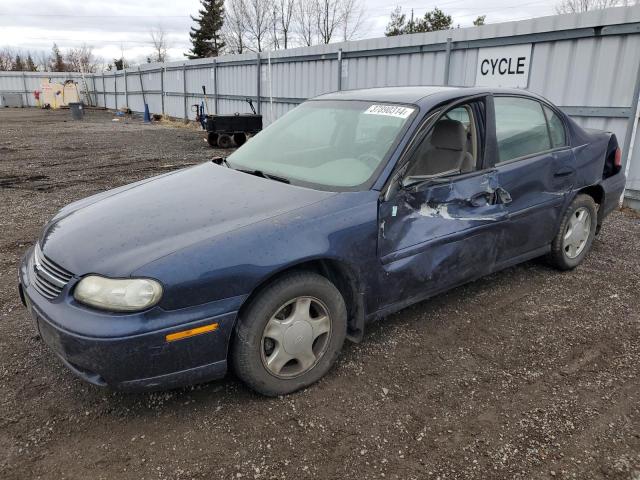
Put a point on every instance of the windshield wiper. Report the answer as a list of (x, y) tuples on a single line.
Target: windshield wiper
[(257, 173), (260, 173)]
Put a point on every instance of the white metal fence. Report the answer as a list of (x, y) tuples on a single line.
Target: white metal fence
[(588, 64)]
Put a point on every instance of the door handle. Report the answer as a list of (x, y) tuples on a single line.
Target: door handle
[(503, 196), (481, 199), (564, 172)]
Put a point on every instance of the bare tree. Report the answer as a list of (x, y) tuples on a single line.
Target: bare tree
[(260, 24), (6, 60), (327, 19), (304, 18), (578, 6), (81, 59), (351, 18), (274, 30), (160, 45), (258, 13), (42, 60), (286, 9), (235, 26)]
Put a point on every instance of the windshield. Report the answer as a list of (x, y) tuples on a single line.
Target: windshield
[(332, 144)]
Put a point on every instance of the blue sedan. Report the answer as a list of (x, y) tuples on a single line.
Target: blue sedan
[(352, 206)]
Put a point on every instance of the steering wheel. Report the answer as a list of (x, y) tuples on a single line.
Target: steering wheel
[(368, 159)]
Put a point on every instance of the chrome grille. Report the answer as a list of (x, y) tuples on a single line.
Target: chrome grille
[(50, 278)]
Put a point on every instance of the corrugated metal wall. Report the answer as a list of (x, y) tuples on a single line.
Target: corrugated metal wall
[(25, 83), (585, 63)]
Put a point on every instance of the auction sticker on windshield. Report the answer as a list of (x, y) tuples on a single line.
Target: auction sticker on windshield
[(389, 110)]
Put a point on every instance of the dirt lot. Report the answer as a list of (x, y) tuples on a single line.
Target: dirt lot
[(529, 373)]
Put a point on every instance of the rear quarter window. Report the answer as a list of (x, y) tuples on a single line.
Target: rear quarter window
[(556, 128)]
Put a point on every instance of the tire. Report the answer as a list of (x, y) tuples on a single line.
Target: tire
[(567, 254), (225, 141), (239, 139), (212, 139), (256, 356)]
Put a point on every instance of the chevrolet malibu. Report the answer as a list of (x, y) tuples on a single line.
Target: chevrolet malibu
[(352, 206)]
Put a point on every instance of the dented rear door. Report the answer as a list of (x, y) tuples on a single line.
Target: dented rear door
[(440, 235), (537, 168)]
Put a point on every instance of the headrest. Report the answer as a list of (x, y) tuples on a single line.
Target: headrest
[(449, 135)]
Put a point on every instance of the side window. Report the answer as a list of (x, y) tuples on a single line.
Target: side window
[(521, 128), (556, 128), (450, 147)]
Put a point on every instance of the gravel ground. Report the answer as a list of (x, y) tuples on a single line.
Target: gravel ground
[(529, 373)]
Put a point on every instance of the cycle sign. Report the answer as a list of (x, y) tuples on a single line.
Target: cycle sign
[(504, 66)]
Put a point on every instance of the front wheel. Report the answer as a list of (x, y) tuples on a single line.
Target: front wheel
[(290, 335), (576, 233)]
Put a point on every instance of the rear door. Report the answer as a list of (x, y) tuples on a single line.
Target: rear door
[(537, 168)]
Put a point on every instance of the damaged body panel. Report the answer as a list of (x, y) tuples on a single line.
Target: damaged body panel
[(538, 187), (391, 194), (439, 235)]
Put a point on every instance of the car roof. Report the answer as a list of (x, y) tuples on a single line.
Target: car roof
[(418, 95)]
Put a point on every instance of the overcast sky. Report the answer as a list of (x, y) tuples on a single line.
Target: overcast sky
[(114, 25)]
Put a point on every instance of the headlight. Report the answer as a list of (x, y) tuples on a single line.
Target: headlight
[(121, 295)]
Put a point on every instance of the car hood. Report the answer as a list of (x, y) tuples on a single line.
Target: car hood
[(116, 232)]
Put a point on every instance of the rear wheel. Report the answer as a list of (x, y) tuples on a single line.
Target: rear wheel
[(239, 139), (290, 335), (576, 233)]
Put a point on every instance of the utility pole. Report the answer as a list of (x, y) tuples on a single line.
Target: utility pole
[(275, 33), (411, 23)]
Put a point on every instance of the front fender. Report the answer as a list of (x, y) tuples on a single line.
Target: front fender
[(343, 228)]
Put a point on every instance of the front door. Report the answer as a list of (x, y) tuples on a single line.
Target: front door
[(443, 225)]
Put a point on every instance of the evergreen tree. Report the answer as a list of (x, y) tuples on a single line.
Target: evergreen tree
[(18, 64), (57, 62), (434, 21), (31, 65), (480, 20), (397, 23), (431, 22), (120, 63), (206, 36)]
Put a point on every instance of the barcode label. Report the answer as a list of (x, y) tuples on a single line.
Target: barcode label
[(389, 110)]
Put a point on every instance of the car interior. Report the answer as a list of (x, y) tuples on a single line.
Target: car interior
[(449, 148)]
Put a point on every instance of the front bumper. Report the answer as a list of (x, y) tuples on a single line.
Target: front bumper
[(134, 355)]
